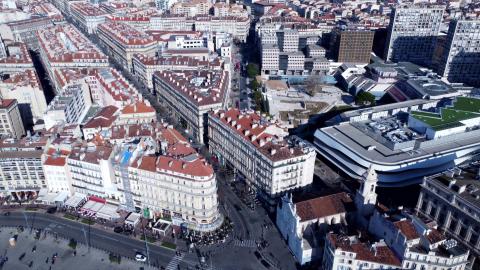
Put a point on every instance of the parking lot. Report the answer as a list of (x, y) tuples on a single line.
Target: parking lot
[(30, 253)]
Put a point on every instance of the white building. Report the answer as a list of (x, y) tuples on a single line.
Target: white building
[(123, 41), (257, 150), (303, 224), (68, 107), (21, 170), (87, 16), (350, 252), (26, 89)]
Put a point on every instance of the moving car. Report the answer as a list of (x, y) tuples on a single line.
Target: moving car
[(139, 257)]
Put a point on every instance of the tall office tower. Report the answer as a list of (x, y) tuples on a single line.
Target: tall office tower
[(12, 125), (288, 40), (412, 34), (351, 44), (460, 61)]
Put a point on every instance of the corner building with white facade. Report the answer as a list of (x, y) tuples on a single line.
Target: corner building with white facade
[(258, 150)]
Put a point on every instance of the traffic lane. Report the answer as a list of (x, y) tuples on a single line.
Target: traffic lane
[(116, 243)]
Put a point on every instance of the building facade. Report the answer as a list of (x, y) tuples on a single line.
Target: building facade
[(412, 34), (460, 62), (257, 150), (11, 124), (190, 95), (451, 200)]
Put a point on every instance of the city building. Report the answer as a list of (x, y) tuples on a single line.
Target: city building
[(260, 153), (404, 144), (91, 171), (451, 199), (107, 86), (353, 252), (190, 95), (351, 44), (11, 121), (302, 224), (123, 41), (418, 245), (17, 58), (460, 62), (145, 66), (63, 46), (412, 33), (70, 107), (21, 170), (25, 30), (282, 52), (26, 89), (221, 9), (192, 8), (87, 16), (238, 27), (57, 178)]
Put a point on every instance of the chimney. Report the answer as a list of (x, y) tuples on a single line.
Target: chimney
[(273, 151), (170, 163)]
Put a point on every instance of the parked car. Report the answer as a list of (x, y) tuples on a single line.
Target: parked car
[(118, 229)]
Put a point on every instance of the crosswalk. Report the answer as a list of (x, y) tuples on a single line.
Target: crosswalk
[(173, 264), (245, 243)]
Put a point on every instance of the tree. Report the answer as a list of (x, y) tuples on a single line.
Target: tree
[(255, 85), (313, 84), (365, 98), (252, 70), (72, 244)]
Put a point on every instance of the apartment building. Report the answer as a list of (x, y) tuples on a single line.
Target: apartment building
[(259, 152), (107, 86), (190, 95), (460, 62), (57, 176), (352, 252), (451, 200), (123, 41), (21, 171), (145, 66), (351, 44), (158, 172), (192, 8), (63, 46), (238, 27), (222, 9), (412, 34), (69, 107), (26, 89), (282, 52), (25, 30), (91, 171), (17, 58), (11, 125), (171, 22), (87, 16)]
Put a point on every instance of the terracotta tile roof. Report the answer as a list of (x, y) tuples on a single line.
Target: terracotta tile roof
[(6, 103), (55, 161), (406, 228), (378, 253), (434, 236), (324, 206), (199, 167), (253, 128), (104, 118), (138, 107)]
